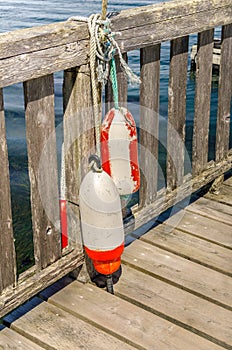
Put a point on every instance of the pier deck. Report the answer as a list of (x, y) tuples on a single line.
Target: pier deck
[(174, 292)]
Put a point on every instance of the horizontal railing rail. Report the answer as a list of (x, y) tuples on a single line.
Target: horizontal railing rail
[(33, 55)]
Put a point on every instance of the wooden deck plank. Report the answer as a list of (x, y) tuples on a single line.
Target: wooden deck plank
[(126, 320), (212, 209), (185, 274), (202, 227), (178, 306), (10, 340), (55, 329), (190, 247)]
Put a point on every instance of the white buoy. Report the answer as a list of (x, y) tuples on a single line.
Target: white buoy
[(101, 221)]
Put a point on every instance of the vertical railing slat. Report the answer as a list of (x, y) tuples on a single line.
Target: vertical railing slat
[(177, 112), (224, 94), (42, 164), (7, 249), (202, 100), (149, 122), (79, 139)]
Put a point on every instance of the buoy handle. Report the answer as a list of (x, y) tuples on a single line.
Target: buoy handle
[(95, 163)]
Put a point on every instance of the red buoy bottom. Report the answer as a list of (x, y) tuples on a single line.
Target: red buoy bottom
[(106, 262)]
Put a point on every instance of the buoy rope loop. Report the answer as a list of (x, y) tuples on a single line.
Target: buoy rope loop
[(113, 78), (106, 46)]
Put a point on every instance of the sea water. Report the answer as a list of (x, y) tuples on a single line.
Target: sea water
[(16, 14)]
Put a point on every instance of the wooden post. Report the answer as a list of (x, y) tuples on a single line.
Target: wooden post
[(177, 112), (42, 164), (202, 100), (149, 122), (79, 143), (7, 249), (224, 94)]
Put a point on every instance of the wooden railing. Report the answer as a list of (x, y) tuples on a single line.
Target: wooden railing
[(32, 56)]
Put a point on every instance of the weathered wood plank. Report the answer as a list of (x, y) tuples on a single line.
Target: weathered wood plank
[(139, 28), (79, 141), (43, 62), (42, 164), (224, 94), (177, 112), (202, 105), (195, 314), (7, 248), (191, 248), (129, 322), (12, 340), (182, 273), (202, 227), (163, 202), (53, 328), (29, 285), (212, 209), (149, 122), (38, 38)]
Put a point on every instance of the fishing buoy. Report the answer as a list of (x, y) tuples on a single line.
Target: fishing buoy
[(119, 150), (101, 221)]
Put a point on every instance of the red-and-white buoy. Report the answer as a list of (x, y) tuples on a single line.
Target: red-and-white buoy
[(119, 150), (101, 221)]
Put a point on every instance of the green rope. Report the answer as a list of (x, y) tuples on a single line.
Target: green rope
[(113, 76)]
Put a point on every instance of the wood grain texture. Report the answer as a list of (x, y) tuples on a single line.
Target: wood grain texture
[(14, 341), (149, 122), (42, 62), (40, 51), (7, 248), (202, 100), (177, 112), (224, 94), (176, 305), (190, 247), (126, 321), (212, 209), (202, 227), (53, 328), (42, 165), (32, 282), (180, 272)]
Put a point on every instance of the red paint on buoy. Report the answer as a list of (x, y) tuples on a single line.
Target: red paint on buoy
[(106, 262), (119, 150)]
